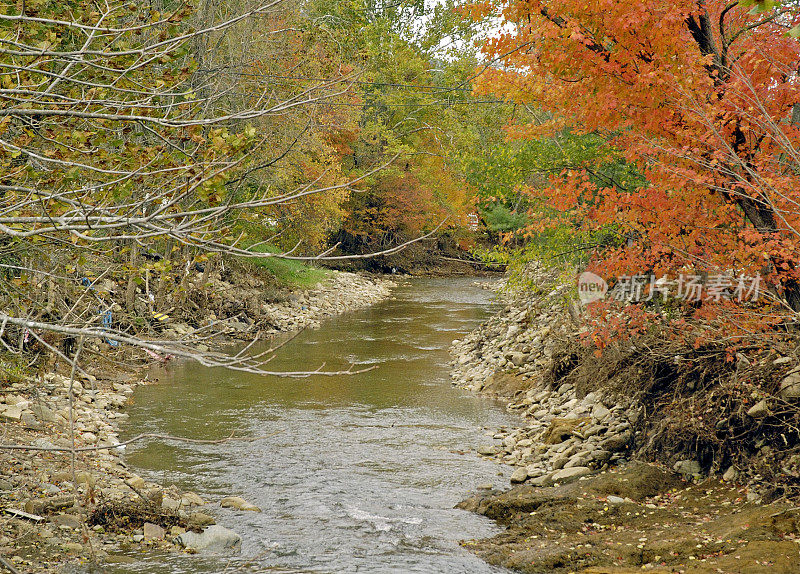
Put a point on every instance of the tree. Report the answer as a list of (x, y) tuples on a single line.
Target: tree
[(119, 133), (698, 95)]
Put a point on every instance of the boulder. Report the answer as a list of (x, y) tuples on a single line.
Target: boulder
[(215, 538)]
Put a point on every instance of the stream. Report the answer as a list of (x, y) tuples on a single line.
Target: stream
[(355, 473)]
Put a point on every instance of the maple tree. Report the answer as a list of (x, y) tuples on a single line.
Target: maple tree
[(696, 95)]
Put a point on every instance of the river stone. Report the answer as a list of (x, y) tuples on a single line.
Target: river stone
[(561, 429), (201, 519), (488, 450), (153, 531), (191, 499), (238, 503), (730, 474), (616, 442), (544, 480), (790, 387), (568, 474), (519, 475), (600, 412), (759, 410), (135, 481), (215, 538)]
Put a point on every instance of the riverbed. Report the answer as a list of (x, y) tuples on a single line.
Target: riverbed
[(355, 473)]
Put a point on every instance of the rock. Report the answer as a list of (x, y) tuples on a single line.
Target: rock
[(156, 496), (790, 387), (611, 499), (559, 461), (600, 456), (238, 503), (135, 482), (153, 531), (170, 504), (759, 410), (191, 499), (730, 474), (600, 412), (69, 520), (544, 480), (201, 519), (488, 450), (509, 442), (30, 421), (73, 547), (616, 442), (519, 359), (561, 429), (45, 414), (688, 468), (568, 474), (213, 539), (519, 475), (12, 412), (89, 438)]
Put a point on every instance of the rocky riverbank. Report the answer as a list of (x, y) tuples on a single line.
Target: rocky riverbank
[(577, 502), (566, 436), (50, 515)]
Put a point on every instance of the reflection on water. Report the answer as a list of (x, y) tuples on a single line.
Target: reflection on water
[(356, 473)]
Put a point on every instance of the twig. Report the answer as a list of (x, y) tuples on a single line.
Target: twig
[(135, 439), (72, 413), (11, 568)]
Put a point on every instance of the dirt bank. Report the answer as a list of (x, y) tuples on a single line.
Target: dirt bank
[(638, 517), (48, 515), (582, 501)]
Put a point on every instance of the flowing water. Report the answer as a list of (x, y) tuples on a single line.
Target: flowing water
[(355, 473)]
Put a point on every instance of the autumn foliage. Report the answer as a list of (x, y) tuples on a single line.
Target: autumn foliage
[(698, 96)]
